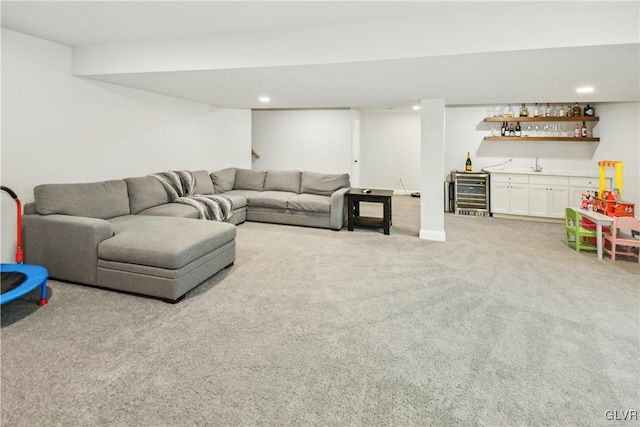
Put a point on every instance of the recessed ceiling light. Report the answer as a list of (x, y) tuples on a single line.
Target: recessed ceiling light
[(264, 99), (416, 107), (584, 89)]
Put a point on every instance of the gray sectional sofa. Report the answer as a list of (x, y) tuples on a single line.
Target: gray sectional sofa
[(129, 236)]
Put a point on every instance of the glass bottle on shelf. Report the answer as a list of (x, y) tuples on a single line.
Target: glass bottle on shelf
[(503, 129), (589, 111), (510, 111), (576, 110), (518, 129), (512, 130), (524, 111), (576, 131), (561, 111), (583, 130), (536, 111), (547, 112), (569, 111)]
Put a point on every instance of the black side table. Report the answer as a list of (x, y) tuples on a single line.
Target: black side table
[(355, 196)]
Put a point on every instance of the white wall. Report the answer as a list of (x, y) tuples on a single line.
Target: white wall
[(388, 138), (60, 128), (389, 149), (312, 140), (618, 130)]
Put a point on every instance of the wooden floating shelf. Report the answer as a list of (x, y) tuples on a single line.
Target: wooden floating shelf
[(540, 138), (542, 119)]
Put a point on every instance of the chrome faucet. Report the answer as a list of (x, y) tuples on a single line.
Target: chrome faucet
[(538, 168)]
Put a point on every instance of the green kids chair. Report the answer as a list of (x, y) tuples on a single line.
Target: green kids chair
[(581, 236)]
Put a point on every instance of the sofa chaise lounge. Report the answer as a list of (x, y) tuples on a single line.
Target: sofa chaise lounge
[(128, 235)]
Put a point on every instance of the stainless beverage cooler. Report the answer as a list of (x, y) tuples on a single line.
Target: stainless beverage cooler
[(471, 193), (448, 196)]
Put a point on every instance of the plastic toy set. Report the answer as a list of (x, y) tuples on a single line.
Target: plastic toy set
[(609, 202)]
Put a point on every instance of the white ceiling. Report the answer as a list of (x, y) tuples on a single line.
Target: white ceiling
[(491, 60), (87, 23)]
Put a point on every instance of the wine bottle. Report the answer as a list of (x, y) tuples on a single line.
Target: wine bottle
[(518, 129), (468, 164), (524, 111), (536, 112), (576, 131), (512, 131), (503, 129), (547, 112), (583, 130)]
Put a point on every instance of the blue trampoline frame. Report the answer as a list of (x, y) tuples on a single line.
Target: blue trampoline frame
[(36, 276)]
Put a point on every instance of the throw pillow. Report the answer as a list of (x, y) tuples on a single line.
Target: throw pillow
[(282, 181), (322, 183), (247, 179), (223, 180)]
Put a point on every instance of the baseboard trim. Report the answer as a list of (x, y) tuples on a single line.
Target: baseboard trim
[(529, 218), (433, 235)]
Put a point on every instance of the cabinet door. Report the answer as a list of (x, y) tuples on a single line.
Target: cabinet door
[(579, 185), (575, 195), (538, 200), (519, 199), (558, 200), (499, 197)]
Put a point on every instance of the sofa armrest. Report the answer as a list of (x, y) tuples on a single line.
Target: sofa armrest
[(338, 208), (66, 245)]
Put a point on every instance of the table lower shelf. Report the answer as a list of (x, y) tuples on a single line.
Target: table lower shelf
[(368, 221)]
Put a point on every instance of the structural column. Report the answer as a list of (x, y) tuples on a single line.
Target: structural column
[(432, 170)]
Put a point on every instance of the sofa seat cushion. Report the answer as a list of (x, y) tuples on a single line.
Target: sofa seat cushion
[(310, 203), (247, 194), (177, 210), (237, 201), (163, 242), (270, 199)]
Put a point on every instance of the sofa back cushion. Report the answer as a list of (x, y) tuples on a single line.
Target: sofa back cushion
[(104, 200), (247, 179), (145, 192), (223, 180), (322, 183), (204, 185), (282, 181)]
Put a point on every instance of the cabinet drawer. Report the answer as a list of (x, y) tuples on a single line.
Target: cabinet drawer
[(514, 179), (579, 181), (549, 180)]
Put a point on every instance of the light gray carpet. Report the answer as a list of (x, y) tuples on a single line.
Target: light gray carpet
[(501, 325)]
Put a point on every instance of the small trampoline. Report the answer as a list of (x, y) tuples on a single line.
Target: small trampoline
[(19, 279)]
